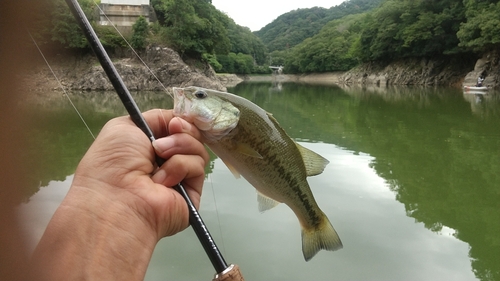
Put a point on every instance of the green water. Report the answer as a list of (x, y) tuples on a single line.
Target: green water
[(413, 184)]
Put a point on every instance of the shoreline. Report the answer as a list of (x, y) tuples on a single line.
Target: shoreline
[(329, 78), (85, 74)]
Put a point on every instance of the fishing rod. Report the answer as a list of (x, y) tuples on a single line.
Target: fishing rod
[(224, 272)]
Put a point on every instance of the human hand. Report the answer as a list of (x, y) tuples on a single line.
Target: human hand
[(120, 204), (121, 163)]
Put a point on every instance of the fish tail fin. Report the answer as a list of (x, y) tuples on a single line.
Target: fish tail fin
[(323, 236)]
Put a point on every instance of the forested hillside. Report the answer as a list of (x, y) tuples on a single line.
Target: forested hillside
[(194, 28), (304, 40), (294, 27), (398, 29)]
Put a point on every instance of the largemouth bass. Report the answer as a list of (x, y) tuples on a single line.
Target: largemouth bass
[(252, 144)]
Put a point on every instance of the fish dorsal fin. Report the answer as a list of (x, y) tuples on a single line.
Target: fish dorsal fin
[(247, 150), (265, 203), (233, 170), (271, 117), (315, 163)]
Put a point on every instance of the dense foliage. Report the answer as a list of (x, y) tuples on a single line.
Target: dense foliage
[(139, 33), (304, 40), (246, 54), (333, 49), (294, 27), (403, 28), (412, 29), (398, 29), (198, 29), (61, 27), (481, 31), (192, 27)]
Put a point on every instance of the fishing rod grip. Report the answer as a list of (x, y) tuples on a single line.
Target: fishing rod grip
[(232, 273)]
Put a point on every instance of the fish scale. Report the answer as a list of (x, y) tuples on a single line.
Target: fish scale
[(263, 148), (255, 146)]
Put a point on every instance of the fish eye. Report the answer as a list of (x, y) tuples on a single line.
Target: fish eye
[(200, 94)]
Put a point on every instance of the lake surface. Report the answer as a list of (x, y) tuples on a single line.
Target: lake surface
[(412, 188)]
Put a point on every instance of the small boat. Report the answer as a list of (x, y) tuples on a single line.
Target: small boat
[(474, 88)]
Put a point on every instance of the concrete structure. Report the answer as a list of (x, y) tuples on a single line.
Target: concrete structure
[(123, 13)]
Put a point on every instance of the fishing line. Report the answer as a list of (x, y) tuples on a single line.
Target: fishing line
[(132, 48), (223, 270), (61, 86), (217, 212), (163, 86)]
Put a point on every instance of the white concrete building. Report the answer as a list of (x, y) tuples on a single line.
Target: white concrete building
[(123, 13)]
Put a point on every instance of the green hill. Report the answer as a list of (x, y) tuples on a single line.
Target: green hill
[(294, 27)]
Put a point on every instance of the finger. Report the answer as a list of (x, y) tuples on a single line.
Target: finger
[(158, 120), (180, 144), (179, 125), (189, 169), (162, 123)]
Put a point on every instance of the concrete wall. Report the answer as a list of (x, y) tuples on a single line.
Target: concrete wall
[(125, 2), (123, 16)]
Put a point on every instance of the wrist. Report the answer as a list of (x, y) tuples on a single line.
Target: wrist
[(95, 236)]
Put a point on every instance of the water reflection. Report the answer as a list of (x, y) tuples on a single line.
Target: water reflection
[(483, 104), (412, 184), (439, 159)]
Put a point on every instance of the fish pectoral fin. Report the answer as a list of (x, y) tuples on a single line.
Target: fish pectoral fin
[(233, 170), (315, 163), (247, 150), (265, 203)]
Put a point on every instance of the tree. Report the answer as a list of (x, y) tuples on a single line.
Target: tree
[(429, 29), (192, 27), (236, 63), (329, 50), (139, 33), (294, 27), (63, 27), (481, 30), (416, 28), (244, 41)]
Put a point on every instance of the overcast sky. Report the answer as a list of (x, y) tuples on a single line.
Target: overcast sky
[(256, 14)]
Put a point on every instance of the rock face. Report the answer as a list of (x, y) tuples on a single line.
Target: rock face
[(85, 73), (412, 71), (229, 80), (458, 72), (166, 67), (489, 67)]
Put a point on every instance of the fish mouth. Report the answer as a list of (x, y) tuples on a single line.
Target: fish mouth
[(214, 117), (181, 104)]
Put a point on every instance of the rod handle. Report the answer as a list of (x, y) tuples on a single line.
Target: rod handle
[(231, 273)]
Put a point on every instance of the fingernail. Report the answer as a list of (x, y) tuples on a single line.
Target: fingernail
[(159, 177), (163, 144)]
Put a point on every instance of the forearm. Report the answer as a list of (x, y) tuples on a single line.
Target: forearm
[(93, 238)]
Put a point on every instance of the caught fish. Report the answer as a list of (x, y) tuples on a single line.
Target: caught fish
[(252, 144)]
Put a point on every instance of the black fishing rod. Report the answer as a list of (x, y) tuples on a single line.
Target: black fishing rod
[(224, 272)]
